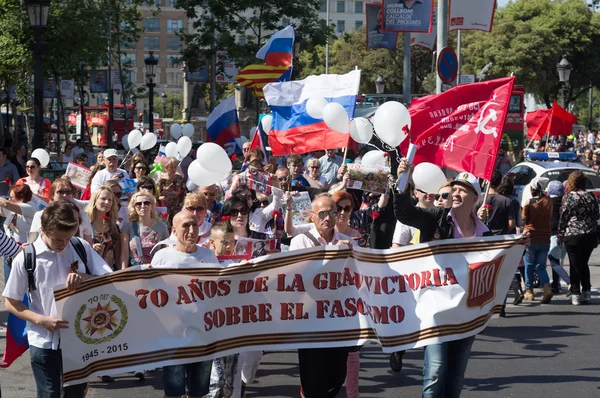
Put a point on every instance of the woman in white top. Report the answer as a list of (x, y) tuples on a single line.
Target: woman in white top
[(67, 156), (19, 212), (259, 216)]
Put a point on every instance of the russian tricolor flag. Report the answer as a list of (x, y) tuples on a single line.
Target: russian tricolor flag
[(293, 131), (223, 124), (16, 338), (278, 50)]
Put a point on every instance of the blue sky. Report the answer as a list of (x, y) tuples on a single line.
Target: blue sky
[(502, 3)]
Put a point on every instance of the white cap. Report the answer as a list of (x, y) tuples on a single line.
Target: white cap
[(110, 152), (540, 183), (468, 180)]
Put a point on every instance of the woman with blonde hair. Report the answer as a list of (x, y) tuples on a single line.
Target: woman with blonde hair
[(143, 230), (172, 189), (109, 241)]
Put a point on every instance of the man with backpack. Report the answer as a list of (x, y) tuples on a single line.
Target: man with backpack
[(56, 257)]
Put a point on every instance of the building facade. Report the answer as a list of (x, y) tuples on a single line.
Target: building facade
[(346, 15)]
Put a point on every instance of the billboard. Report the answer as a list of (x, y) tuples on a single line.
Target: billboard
[(99, 81), (426, 40), (49, 89), (376, 37), (407, 15), (472, 15), (230, 69)]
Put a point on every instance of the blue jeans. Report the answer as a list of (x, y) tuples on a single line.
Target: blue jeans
[(192, 379), (47, 372), (535, 259), (444, 368)]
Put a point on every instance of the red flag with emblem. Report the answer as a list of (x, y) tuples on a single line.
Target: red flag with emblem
[(461, 128)]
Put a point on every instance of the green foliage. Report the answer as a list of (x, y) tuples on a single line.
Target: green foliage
[(349, 51), (218, 24), (529, 38)]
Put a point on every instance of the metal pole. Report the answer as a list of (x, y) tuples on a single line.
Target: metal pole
[(58, 101), (151, 106), (327, 41), (459, 56), (111, 94), (564, 93), (38, 92), (442, 36), (406, 70), (590, 106)]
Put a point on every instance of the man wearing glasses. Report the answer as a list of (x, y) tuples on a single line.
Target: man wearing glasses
[(322, 370), (112, 170)]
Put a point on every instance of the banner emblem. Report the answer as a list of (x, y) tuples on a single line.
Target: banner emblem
[(484, 120), (104, 320), (482, 282)]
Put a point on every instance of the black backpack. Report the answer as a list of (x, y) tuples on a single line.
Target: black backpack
[(30, 262)]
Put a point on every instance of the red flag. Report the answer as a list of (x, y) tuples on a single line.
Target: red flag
[(461, 128), (556, 121), (561, 121), (537, 123)]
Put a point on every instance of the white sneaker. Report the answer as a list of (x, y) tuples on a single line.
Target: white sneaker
[(586, 296), (576, 299)]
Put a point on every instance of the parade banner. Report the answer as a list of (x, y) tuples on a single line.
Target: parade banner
[(376, 37), (472, 15), (371, 178), (318, 297), (407, 15), (426, 40)]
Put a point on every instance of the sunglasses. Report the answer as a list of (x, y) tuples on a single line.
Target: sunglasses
[(235, 213), (30, 167), (444, 196), (140, 168), (347, 209), (64, 192), (195, 209), (147, 187), (145, 203), (282, 179), (424, 193), (314, 167), (323, 214)]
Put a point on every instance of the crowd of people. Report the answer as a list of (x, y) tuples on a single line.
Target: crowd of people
[(167, 220)]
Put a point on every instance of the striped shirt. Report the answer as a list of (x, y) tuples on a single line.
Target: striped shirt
[(8, 246)]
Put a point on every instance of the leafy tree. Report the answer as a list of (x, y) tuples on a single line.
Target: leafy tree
[(349, 51), (219, 23), (529, 38)]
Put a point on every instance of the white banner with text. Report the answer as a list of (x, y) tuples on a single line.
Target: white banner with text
[(319, 297)]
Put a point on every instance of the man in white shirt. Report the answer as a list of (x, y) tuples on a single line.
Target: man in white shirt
[(322, 370), (186, 254), (111, 161), (57, 263), (330, 164)]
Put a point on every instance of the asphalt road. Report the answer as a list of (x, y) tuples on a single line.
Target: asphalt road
[(536, 351)]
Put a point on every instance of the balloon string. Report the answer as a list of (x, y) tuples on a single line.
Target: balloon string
[(125, 158)]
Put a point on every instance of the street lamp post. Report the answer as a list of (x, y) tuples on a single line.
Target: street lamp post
[(564, 73), (163, 98), (150, 62), (37, 10)]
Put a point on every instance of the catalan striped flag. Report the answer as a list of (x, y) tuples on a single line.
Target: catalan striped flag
[(278, 56)]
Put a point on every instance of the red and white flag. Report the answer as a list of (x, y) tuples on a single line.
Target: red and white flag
[(461, 128)]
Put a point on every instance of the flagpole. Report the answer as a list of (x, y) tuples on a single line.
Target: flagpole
[(327, 41)]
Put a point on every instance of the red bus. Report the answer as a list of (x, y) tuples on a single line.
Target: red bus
[(513, 132), (97, 122)]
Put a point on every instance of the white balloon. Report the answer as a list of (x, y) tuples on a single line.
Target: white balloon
[(428, 177), (125, 142), (188, 130), (171, 150), (41, 155), (184, 146), (176, 130), (315, 106), (134, 138), (390, 120), (336, 117), (266, 123), (214, 158), (202, 177), (373, 158), (148, 141), (361, 130)]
